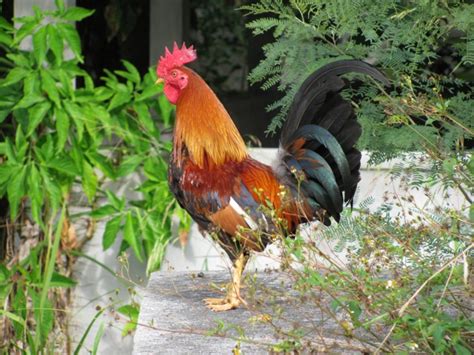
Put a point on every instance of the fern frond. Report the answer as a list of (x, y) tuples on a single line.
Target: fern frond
[(401, 38)]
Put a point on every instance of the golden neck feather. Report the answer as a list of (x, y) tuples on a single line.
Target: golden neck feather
[(204, 127)]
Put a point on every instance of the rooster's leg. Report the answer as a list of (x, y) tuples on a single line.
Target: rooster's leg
[(232, 299)]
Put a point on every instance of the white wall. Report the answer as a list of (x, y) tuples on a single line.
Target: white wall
[(166, 26), (24, 7)]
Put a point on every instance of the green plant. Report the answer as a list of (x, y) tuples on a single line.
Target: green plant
[(425, 48), (60, 146)]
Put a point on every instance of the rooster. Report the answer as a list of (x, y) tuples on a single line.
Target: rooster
[(243, 203)]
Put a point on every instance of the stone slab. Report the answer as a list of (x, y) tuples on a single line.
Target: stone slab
[(174, 320)]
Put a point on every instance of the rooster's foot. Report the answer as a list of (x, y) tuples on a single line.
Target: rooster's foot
[(222, 304)]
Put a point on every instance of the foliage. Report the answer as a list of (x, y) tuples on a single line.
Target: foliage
[(62, 146), (425, 47)]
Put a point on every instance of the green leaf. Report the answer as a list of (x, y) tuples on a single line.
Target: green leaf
[(355, 311), (115, 201), (449, 165), (104, 118), (56, 43), (76, 14), (5, 39), (66, 80), (51, 187), (103, 211), (438, 334), (44, 314), (37, 114), (21, 144), (119, 99), (4, 294), (126, 75), (20, 59), (4, 273), (10, 151), (471, 212), (135, 75), (58, 280), (28, 101), (77, 154), (80, 344), (69, 32), (90, 120), (59, 5), (156, 255), (16, 190), (166, 110), (35, 193), (129, 165), (4, 114), (20, 305), (25, 30), (461, 350), (48, 84), (5, 173), (103, 93), (62, 127), (31, 86), (39, 14), (75, 112), (39, 45), (102, 163), (130, 311), (97, 338), (144, 116), (470, 165), (14, 76), (149, 91), (129, 328), (47, 149), (130, 237), (110, 234), (63, 164), (5, 24), (89, 181)]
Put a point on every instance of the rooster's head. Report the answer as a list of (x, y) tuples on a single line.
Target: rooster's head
[(169, 70)]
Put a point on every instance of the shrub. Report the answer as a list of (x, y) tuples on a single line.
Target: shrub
[(425, 47)]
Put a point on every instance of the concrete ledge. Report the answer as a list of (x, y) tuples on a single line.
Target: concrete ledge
[(173, 318)]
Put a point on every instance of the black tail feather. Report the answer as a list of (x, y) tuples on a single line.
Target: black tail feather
[(319, 135)]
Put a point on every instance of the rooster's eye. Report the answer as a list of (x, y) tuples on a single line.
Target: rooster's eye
[(173, 74)]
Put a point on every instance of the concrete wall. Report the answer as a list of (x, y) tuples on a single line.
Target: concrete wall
[(24, 7), (166, 26)]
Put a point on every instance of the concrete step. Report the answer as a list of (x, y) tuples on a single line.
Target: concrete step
[(174, 319)]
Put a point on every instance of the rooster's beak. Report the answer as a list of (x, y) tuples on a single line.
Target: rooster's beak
[(159, 81)]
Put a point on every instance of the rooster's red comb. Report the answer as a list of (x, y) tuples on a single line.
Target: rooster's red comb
[(177, 58)]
